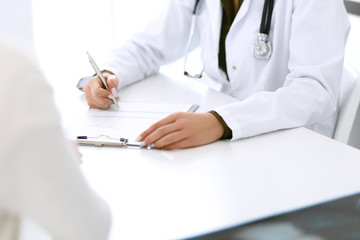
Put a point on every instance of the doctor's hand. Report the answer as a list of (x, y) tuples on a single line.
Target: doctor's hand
[(95, 93), (182, 130)]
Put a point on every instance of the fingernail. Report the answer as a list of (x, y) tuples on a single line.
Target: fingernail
[(138, 138), (142, 144), (152, 145), (114, 92), (111, 97)]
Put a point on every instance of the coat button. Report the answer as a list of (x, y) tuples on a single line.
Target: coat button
[(234, 68)]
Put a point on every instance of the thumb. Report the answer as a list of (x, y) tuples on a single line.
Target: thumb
[(113, 83)]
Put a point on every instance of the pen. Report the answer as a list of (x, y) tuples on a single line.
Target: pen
[(99, 74)]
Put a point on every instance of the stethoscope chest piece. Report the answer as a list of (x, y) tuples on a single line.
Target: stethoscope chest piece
[(262, 49)]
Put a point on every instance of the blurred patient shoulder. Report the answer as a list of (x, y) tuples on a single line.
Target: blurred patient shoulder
[(39, 173)]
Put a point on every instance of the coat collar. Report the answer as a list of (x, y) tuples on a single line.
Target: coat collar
[(242, 11), (215, 13)]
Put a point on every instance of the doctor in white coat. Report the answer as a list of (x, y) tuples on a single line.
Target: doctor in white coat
[(296, 85)]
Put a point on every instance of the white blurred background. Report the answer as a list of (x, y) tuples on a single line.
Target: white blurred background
[(65, 30)]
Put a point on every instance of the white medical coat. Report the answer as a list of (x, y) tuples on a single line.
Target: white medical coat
[(298, 86)]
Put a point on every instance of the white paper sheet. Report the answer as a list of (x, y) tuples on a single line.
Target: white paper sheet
[(126, 122)]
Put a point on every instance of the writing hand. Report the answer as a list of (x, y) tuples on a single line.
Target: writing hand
[(95, 93)]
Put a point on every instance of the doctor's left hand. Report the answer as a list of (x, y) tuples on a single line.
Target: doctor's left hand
[(182, 130)]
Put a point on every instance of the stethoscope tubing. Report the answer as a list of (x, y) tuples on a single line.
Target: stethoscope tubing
[(266, 17), (195, 7)]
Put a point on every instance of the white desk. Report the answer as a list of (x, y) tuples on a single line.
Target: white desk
[(156, 194)]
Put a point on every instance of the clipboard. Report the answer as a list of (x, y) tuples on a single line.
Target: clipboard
[(108, 135)]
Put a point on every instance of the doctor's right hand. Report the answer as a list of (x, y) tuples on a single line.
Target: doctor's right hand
[(96, 94)]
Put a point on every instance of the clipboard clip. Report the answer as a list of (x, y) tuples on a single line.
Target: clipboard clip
[(104, 140)]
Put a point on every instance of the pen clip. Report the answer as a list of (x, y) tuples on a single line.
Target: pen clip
[(100, 141), (117, 142)]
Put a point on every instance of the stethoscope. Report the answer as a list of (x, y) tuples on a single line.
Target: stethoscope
[(262, 48)]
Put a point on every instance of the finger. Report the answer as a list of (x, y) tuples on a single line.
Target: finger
[(113, 83), (162, 136), (167, 120), (100, 98), (179, 145), (170, 139), (95, 82), (96, 88), (102, 103), (100, 92), (92, 90), (186, 142)]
